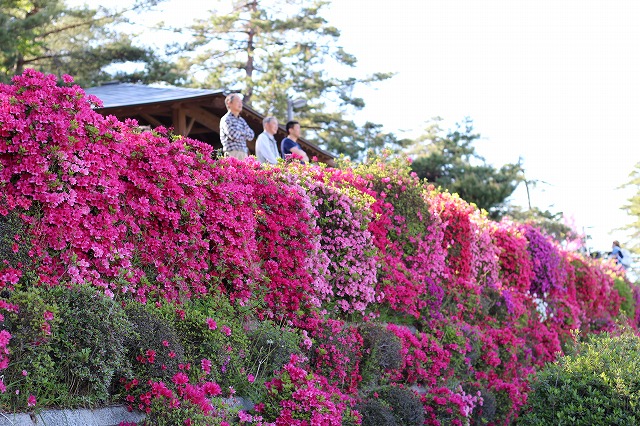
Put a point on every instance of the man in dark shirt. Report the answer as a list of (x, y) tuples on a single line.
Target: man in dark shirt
[(290, 145)]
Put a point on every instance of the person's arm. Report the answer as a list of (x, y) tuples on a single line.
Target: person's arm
[(300, 152), (248, 132), (236, 129)]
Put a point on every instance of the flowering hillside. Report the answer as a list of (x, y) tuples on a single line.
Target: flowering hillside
[(322, 296)]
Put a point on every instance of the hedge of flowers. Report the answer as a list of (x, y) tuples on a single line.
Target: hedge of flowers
[(474, 307)]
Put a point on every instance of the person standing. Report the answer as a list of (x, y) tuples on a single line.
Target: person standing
[(266, 145), (621, 256), (290, 145), (234, 131)]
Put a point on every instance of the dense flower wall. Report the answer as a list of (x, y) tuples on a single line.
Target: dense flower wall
[(476, 305)]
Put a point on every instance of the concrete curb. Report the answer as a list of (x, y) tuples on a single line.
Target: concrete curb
[(108, 416)]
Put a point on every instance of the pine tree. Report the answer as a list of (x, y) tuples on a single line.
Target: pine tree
[(276, 51), (633, 210), (449, 159), (51, 37)]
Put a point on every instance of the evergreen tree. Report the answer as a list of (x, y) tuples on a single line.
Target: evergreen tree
[(449, 160), (277, 51), (633, 210), (51, 37), (550, 223)]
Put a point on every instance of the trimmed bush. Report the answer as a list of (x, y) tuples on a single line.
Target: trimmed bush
[(13, 247), (211, 330), (153, 335), (485, 413), (376, 413), (70, 343), (599, 385), (627, 305), (89, 345), (270, 348), (382, 351), (30, 349), (406, 405)]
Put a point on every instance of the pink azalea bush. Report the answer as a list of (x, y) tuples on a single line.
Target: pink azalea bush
[(476, 306), (297, 397), (408, 235)]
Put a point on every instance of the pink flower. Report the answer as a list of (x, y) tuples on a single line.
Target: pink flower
[(180, 378), (226, 330), (211, 388), (24, 373), (31, 401), (251, 378), (46, 328), (48, 315), (206, 365), (212, 324)]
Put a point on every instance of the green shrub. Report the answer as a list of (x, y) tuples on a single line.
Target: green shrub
[(14, 246), (376, 413), (152, 333), (381, 352), (485, 413), (405, 404), (599, 385), (270, 348), (228, 353), (30, 352), (627, 306), (162, 413), (69, 360), (88, 347)]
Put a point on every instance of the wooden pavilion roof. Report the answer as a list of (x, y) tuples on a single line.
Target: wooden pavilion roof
[(195, 113)]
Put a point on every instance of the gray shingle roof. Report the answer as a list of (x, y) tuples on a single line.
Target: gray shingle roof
[(126, 94)]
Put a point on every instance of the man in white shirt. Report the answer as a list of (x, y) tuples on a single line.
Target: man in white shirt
[(266, 145)]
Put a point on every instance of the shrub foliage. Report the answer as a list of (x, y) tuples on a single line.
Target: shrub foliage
[(217, 291)]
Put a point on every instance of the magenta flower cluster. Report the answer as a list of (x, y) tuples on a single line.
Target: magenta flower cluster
[(477, 306)]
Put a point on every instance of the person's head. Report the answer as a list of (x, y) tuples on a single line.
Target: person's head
[(270, 125), (293, 129), (616, 244), (233, 103)]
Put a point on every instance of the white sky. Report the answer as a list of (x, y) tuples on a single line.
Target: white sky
[(556, 82)]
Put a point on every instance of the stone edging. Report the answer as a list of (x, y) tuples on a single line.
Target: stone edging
[(108, 416)]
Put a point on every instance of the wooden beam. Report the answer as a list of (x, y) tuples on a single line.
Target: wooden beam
[(190, 126), (218, 102), (151, 120), (204, 117), (179, 120)]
